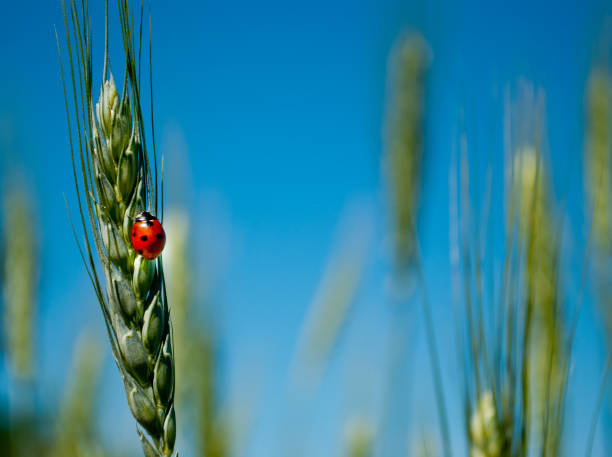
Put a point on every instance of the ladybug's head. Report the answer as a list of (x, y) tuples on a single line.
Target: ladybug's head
[(144, 216)]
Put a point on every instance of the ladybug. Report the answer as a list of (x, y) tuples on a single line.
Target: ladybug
[(147, 235)]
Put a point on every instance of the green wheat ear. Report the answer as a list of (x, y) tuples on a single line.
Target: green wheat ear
[(114, 181)]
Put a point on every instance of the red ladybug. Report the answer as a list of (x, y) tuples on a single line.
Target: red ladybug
[(148, 236)]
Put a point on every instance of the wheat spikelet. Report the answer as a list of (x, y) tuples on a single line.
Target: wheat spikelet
[(114, 182), (359, 438), (487, 436)]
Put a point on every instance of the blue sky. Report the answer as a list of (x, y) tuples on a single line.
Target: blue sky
[(277, 108)]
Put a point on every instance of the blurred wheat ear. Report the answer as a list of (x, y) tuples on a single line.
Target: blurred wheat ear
[(598, 187), (404, 140), (196, 355), (19, 269), (515, 349), (402, 165), (115, 178), (540, 238), (75, 436), (598, 178), (19, 278)]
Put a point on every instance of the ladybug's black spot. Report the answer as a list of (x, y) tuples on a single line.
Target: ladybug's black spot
[(133, 233), (140, 251), (149, 223), (159, 236), (144, 237)]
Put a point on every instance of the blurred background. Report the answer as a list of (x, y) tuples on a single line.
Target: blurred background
[(296, 283)]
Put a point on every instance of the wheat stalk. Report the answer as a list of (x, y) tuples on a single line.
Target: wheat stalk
[(114, 182)]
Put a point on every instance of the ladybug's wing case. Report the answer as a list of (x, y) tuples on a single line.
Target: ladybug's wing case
[(140, 235), (148, 238)]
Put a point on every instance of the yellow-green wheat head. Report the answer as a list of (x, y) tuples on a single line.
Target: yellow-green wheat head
[(404, 141), (539, 237), (116, 178)]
